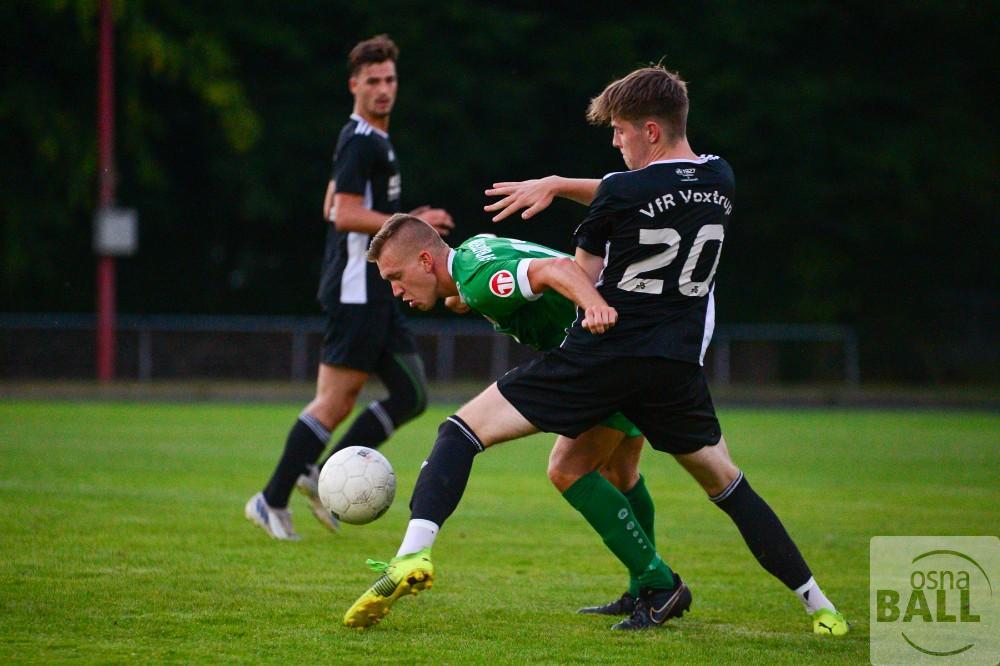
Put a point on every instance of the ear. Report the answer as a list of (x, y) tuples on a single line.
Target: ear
[(426, 260), (352, 84), (653, 132)]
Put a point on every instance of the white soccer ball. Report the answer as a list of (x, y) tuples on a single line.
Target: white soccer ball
[(357, 485)]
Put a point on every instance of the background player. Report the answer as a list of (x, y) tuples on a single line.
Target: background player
[(657, 229), (365, 331), (528, 291)]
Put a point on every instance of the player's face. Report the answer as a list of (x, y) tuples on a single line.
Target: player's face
[(374, 89), (632, 143), (411, 276)]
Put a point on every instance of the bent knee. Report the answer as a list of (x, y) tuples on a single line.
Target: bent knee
[(562, 478), (405, 406), (331, 411), (720, 480)]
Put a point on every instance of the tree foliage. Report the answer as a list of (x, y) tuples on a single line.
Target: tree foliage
[(861, 136)]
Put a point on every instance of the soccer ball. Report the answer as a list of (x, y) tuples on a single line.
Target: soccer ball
[(357, 485)]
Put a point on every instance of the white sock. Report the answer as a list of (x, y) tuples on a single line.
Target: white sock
[(813, 598), (420, 534)]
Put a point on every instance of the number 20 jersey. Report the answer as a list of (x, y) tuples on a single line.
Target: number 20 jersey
[(660, 230)]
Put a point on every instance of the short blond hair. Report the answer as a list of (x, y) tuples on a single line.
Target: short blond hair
[(649, 92), (403, 228)]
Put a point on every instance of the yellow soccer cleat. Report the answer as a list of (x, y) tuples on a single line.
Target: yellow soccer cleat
[(406, 574), (829, 623)]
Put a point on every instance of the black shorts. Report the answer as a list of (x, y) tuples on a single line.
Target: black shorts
[(569, 393), (359, 336)]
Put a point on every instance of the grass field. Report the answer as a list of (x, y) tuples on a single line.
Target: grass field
[(123, 539)]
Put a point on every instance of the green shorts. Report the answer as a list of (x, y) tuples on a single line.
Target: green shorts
[(617, 421)]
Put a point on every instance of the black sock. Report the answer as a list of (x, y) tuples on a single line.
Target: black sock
[(305, 442), (372, 427), (443, 477), (763, 532)]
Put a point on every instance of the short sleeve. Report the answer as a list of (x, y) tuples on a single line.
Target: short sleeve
[(498, 288), (592, 234), (353, 164)]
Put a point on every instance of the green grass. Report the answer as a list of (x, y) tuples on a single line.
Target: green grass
[(122, 539)]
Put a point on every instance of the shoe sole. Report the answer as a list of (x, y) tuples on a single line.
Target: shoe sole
[(371, 608), (318, 510), (603, 611)]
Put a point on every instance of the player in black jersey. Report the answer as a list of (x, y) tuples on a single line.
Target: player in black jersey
[(680, 206), (652, 237), (366, 332)]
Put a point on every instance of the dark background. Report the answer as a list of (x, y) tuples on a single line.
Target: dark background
[(860, 133)]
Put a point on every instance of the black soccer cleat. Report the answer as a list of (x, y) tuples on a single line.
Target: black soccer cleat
[(624, 605), (654, 607)]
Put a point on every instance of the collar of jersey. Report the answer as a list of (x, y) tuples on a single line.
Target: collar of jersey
[(451, 260), (384, 135), (701, 160)]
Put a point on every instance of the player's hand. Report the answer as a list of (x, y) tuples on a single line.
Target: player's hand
[(436, 217), (599, 318), (532, 195), (455, 304)]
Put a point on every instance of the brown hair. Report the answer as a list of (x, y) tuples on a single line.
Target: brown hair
[(377, 49), (407, 229), (648, 92)]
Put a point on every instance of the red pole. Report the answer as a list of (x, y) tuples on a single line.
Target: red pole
[(106, 194)]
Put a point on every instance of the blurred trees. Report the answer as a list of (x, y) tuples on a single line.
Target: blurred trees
[(860, 134)]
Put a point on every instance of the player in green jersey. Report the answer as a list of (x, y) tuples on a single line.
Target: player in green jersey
[(531, 292)]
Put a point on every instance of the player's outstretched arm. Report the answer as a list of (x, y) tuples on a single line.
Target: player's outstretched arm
[(535, 195), (566, 277)]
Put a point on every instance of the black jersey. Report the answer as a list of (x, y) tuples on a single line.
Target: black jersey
[(364, 163), (660, 230)]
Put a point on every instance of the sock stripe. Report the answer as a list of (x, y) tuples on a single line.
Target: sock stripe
[(314, 424), (468, 433), (804, 588), (729, 489), (383, 417)]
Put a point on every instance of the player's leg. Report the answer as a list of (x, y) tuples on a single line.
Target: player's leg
[(336, 390), (403, 376), (762, 530), (574, 466), (622, 470), (402, 373), (488, 419)]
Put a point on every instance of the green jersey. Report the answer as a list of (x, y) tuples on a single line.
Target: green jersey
[(492, 278)]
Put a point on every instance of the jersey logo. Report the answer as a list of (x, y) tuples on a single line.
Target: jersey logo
[(502, 283)]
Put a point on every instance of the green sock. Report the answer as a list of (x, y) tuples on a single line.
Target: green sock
[(642, 506), (609, 513)]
